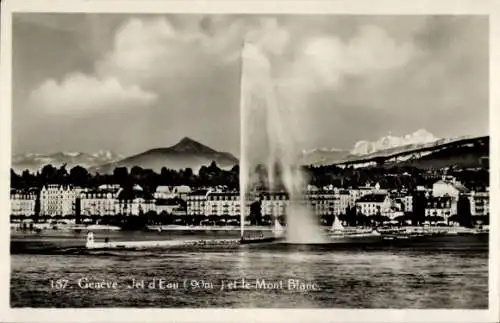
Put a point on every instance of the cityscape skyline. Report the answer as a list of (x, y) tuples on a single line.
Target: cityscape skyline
[(108, 69)]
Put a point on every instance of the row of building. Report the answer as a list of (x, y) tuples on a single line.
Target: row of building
[(441, 200)]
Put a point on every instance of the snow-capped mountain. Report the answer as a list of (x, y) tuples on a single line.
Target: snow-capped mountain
[(364, 148), (420, 136), (35, 161), (323, 156)]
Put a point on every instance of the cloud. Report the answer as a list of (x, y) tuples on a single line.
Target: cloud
[(325, 61), (78, 93), (157, 54), (269, 36)]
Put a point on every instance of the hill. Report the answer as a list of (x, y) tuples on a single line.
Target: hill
[(187, 153)]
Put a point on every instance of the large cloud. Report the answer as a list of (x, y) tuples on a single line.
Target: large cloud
[(165, 55), (322, 61), (78, 93), (379, 73)]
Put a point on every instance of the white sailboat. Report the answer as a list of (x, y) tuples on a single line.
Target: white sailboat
[(278, 230), (337, 226), (339, 231)]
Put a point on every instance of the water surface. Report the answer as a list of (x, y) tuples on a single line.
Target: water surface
[(437, 272)]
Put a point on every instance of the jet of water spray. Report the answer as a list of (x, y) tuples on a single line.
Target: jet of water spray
[(268, 138)]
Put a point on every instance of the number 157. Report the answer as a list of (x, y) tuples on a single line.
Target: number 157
[(59, 283)]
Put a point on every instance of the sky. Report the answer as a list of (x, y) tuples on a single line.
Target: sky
[(129, 83)]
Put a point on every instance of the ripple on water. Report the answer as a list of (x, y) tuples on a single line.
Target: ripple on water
[(430, 275)]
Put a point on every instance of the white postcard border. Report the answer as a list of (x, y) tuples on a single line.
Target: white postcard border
[(390, 7)]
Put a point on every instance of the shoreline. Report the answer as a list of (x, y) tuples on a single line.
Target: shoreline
[(43, 227)]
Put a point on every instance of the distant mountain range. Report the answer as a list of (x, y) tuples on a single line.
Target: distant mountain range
[(186, 153), (419, 137), (190, 153), (34, 162), (366, 149)]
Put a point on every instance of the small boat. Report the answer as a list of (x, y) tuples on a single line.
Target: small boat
[(97, 227), (261, 239), (278, 235), (339, 231)]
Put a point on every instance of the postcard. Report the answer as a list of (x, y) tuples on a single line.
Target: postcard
[(193, 161)]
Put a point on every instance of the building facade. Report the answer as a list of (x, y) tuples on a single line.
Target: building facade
[(134, 207), (58, 200), (480, 203), (222, 204), (162, 193), (374, 203), (100, 202), (324, 203), (195, 203), (274, 204), (441, 206), (448, 187), (22, 203)]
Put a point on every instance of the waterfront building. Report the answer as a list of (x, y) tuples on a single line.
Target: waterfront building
[(324, 203), (162, 193), (58, 200), (404, 200), (345, 201), (374, 203), (222, 204), (312, 188), (440, 206), (101, 201), (274, 204), (448, 186), (110, 187), (134, 202), (479, 203), (136, 206), (195, 202), (181, 191), (22, 202), (168, 205)]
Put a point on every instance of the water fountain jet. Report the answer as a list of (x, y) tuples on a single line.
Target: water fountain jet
[(267, 137)]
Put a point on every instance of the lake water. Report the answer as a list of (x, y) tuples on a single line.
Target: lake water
[(54, 270)]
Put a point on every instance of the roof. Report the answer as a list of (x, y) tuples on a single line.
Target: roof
[(223, 194), (372, 198), (133, 194), (198, 192), (163, 189), (99, 191), (181, 189), (457, 185), (14, 191)]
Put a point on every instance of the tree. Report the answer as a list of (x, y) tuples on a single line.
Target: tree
[(255, 214), (464, 212), (36, 215), (352, 216), (62, 175), (121, 176), (79, 176), (48, 174), (15, 180), (419, 203)]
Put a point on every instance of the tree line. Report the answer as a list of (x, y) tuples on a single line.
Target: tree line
[(211, 175)]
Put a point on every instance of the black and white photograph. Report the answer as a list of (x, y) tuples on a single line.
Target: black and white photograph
[(261, 160)]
